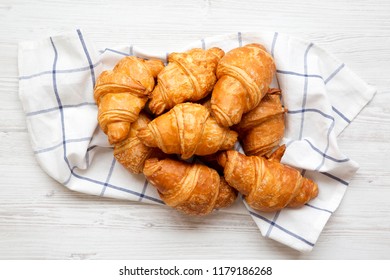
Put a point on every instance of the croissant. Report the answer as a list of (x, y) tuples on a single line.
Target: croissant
[(261, 129), (187, 129), (189, 76), (131, 153), (244, 75), (121, 94), (267, 185), (193, 189)]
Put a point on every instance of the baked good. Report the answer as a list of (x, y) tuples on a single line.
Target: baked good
[(131, 153), (189, 76), (261, 129), (191, 188), (266, 184), (121, 93), (244, 75), (187, 129)]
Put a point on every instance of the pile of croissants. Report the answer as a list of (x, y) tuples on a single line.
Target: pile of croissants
[(178, 125)]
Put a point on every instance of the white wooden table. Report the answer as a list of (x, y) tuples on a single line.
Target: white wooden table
[(40, 219)]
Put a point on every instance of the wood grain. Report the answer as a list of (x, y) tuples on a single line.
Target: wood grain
[(40, 219)]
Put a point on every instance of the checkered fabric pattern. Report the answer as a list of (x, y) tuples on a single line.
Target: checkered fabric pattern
[(56, 80)]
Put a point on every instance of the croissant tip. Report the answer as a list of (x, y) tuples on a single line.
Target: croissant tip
[(274, 91), (217, 52), (220, 116), (117, 132), (114, 140), (277, 154), (150, 166), (155, 66), (315, 190), (222, 159), (156, 105), (150, 161), (145, 135), (230, 140), (227, 195)]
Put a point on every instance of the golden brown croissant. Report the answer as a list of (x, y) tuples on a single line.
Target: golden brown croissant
[(261, 129), (141, 70), (131, 153), (194, 189), (267, 185), (189, 76), (187, 129), (244, 75), (121, 94)]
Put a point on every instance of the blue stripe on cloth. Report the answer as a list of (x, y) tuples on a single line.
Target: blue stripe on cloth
[(306, 75), (91, 148), (334, 73), (55, 89), (114, 187), (60, 107), (274, 43), (239, 38), (318, 208), (324, 173), (335, 178), (108, 176), (60, 144), (274, 40), (236, 146), (88, 57), (143, 190), (69, 177), (167, 57), (113, 51), (327, 146), (272, 224), (151, 198), (311, 110), (87, 155), (282, 229), (131, 50), (299, 74), (328, 133), (56, 108), (341, 115), (304, 98), (65, 71), (48, 149), (203, 44), (324, 154)]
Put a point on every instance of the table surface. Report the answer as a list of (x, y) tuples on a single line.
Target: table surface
[(41, 219)]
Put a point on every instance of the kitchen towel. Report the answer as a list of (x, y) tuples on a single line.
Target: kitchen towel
[(56, 80)]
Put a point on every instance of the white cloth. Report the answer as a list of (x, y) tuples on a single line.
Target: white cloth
[(56, 79)]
